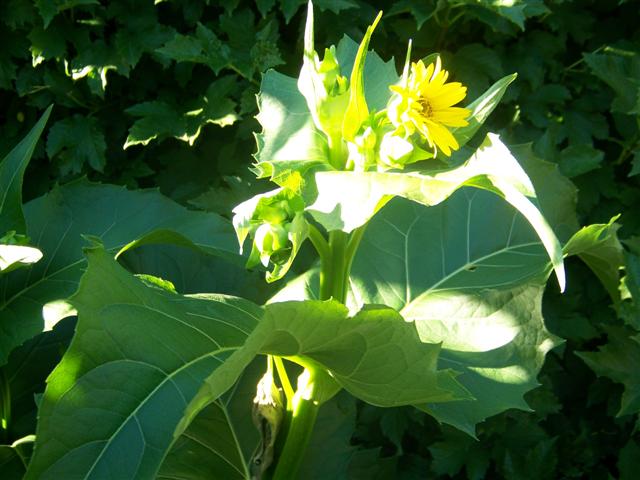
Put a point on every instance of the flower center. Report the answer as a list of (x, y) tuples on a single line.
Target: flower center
[(427, 109)]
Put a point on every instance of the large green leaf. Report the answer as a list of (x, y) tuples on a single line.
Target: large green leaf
[(469, 273), (56, 222), (347, 200), (140, 355), (289, 140), (12, 170)]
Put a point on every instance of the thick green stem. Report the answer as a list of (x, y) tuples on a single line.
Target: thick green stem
[(338, 242), (337, 152), (336, 257), (303, 418)]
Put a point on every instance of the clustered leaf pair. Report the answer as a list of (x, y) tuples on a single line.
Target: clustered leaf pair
[(414, 126)]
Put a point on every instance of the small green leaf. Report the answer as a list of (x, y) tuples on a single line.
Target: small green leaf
[(26, 373), (277, 227), (75, 141), (618, 359), (50, 8), (481, 108), (13, 461), (580, 159), (16, 256), (598, 246), (618, 69), (556, 194), (203, 47)]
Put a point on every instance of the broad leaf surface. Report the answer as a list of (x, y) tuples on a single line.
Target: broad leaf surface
[(55, 224), (221, 439), (12, 170), (123, 384), (469, 273), (114, 378), (347, 200)]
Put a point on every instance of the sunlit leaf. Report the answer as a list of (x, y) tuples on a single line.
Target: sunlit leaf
[(347, 200), (110, 371), (479, 294)]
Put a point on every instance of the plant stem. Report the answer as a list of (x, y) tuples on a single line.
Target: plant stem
[(319, 242), (5, 405), (338, 242), (336, 257), (284, 378), (303, 418), (337, 152)]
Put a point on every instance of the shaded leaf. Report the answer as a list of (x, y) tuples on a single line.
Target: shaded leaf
[(12, 461), (56, 223), (50, 8), (75, 141), (579, 159), (12, 170), (618, 360), (203, 47)]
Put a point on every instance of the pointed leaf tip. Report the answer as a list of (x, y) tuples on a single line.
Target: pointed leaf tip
[(357, 110)]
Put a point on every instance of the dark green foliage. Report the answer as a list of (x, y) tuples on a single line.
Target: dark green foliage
[(164, 96)]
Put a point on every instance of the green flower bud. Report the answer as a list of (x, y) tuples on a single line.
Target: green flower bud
[(276, 222), (269, 239), (395, 152), (267, 414), (324, 88), (362, 152)]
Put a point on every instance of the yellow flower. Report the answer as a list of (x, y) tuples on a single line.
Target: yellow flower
[(424, 103)]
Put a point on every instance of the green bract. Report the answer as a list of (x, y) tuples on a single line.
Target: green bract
[(276, 223)]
